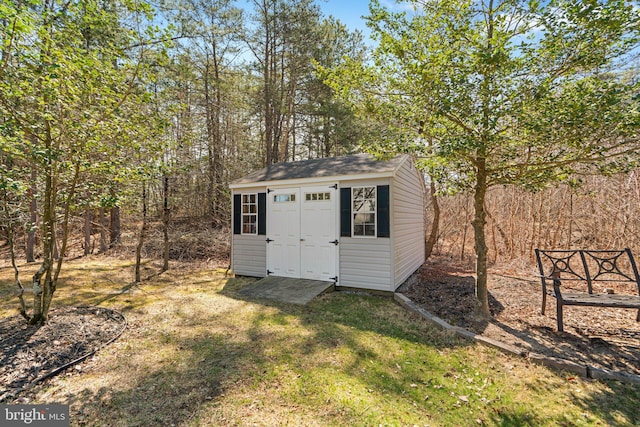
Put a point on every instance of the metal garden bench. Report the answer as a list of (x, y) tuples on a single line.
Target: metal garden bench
[(587, 268)]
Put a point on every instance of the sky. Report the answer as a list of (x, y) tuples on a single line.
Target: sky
[(352, 12), (349, 12)]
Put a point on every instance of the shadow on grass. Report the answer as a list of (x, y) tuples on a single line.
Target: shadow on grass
[(171, 394), (339, 319), (354, 330), (617, 404), (358, 310), (242, 347)]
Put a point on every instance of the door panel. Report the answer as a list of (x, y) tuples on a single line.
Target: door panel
[(318, 228), (283, 251)]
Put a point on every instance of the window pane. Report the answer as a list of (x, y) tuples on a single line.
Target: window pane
[(369, 206), (249, 224), (369, 230), (284, 198), (362, 218), (370, 192)]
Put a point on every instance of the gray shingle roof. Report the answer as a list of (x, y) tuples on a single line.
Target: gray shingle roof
[(357, 164)]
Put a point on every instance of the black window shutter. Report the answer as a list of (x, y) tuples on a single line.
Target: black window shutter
[(383, 211), (262, 213), (237, 214), (345, 212)]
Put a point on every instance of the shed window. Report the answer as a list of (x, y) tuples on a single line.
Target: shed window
[(284, 198), (317, 196), (364, 211), (249, 214)]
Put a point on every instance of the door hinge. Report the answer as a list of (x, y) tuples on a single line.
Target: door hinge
[(269, 272), (335, 279), (334, 186), (269, 240), (335, 242)]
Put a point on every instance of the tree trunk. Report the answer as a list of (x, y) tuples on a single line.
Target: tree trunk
[(143, 231), (104, 226), (56, 253), (435, 224), (36, 283), (88, 217), (266, 77), (33, 218), (211, 173), (42, 287), (482, 293), (218, 218), (114, 227), (165, 228), (65, 238), (12, 253)]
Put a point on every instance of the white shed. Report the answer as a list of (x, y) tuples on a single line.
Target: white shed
[(352, 220)]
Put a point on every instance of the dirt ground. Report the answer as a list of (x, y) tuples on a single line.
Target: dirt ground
[(30, 353), (600, 337)]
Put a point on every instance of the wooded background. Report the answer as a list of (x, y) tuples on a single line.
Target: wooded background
[(146, 111), (603, 213)]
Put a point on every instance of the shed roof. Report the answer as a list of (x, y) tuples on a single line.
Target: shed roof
[(357, 164)]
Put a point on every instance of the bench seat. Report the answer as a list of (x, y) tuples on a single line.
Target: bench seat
[(601, 300), (587, 267)]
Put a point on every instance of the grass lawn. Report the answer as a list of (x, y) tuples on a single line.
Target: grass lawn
[(196, 353)]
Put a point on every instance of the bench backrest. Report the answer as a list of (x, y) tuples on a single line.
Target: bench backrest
[(588, 266)]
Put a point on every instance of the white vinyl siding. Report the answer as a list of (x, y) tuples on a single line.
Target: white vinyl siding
[(365, 263), (407, 219), (249, 255)]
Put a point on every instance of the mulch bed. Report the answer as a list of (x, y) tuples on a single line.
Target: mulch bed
[(600, 337), (30, 353)]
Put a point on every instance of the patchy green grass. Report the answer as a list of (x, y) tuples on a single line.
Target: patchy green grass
[(197, 354)]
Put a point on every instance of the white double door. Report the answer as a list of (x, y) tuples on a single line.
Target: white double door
[(302, 232)]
